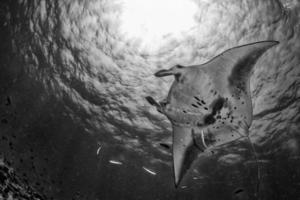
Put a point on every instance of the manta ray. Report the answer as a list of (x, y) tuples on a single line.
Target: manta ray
[(209, 105)]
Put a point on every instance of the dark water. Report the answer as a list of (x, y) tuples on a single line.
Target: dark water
[(67, 89)]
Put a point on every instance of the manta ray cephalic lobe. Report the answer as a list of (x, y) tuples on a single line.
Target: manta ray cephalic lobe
[(209, 105)]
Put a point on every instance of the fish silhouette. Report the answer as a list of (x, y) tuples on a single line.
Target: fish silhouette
[(209, 105)]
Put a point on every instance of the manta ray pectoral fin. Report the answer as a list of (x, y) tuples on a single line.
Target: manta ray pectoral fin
[(237, 63), (184, 151), (246, 57)]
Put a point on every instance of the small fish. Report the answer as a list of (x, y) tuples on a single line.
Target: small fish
[(98, 150), (239, 190), (115, 162), (149, 171), (166, 146)]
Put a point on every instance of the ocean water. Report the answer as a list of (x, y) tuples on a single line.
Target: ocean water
[(75, 124)]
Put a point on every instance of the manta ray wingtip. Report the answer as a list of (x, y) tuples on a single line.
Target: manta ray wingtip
[(275, 42), (272, 42), (264, 45)]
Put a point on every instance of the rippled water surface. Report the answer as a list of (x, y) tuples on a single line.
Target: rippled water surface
[(74, 122)]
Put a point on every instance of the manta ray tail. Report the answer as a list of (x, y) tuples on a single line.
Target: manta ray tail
[(246, 134), (257, 164), (185, 150)]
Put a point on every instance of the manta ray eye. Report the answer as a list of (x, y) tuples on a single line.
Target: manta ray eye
[(179, 66)]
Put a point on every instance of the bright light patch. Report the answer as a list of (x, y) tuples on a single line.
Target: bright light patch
[(115, 162), (149, 21), (149, 171)]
